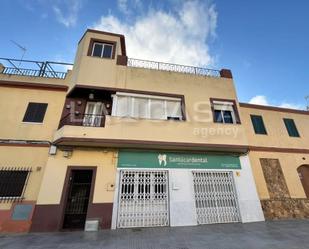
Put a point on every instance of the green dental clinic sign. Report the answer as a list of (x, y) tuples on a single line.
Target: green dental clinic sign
[(152, 159)]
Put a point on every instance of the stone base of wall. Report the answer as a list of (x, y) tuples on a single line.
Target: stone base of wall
[(285, 208)]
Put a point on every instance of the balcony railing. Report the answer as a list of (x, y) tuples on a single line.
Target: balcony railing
[(91, 120), (172, 67), (46, 69)]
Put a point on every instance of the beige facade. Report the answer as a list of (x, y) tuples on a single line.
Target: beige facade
[(71, 140), (291, 153)]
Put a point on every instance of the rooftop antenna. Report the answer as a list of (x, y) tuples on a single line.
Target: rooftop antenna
[(307, 99), (22, 48)]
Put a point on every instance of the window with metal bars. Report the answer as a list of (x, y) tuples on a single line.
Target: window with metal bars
[(13, 182), (35, 112)]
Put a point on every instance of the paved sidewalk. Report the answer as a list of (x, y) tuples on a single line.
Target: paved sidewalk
[(290, 234)]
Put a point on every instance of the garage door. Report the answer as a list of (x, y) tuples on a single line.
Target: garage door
[(215, 197), (143, 199)]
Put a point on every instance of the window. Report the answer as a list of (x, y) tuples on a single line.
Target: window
[(103, 50), (93, 114), (35, 112), (224, 112), (146, 106), (12, 183), (258, 124), (291, 127)]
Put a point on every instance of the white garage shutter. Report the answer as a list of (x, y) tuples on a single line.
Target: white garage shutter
[(215, 197), (143, 199)]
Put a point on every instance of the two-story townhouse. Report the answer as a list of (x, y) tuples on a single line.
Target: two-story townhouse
[(279, 155), (30, 112)]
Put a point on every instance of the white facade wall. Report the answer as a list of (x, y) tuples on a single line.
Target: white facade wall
[(182, 210)]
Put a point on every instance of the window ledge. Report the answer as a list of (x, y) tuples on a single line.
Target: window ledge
[(97, 57), (147, 119), (227, 123), (34, 123)]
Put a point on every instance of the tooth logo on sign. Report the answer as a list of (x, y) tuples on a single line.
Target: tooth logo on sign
[(162, 159)]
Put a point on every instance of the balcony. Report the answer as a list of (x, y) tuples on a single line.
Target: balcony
[(45, 69), (152, 134), (77, 119)]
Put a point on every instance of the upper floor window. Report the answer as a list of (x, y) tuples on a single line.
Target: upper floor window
[(35, 112), (291, 127), (103, 50), (224, 112), (147, 106), (258, 124)]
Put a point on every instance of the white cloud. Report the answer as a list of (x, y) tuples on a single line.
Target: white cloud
[(126, 6), (262, 100), (177, 36), (67, 11), (291, 106), (122, 5), (259, 100)]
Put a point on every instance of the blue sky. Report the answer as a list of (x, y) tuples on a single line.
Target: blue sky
[(264, 43)]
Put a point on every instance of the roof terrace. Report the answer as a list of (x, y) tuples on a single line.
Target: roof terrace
[(58, 70)]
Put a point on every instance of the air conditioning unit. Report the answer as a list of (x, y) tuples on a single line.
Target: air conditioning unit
[(92, 225)]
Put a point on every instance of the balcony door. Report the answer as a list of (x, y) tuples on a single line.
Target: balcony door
[(93, 114)]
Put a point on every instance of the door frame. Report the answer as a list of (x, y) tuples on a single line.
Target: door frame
[(65, 191)]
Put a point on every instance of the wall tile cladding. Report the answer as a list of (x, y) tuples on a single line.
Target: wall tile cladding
[(285, 208), (274, 178), (280, 205)]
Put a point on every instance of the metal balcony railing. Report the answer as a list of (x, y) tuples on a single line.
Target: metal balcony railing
[(91, 120), (46, 69), (172, 67)]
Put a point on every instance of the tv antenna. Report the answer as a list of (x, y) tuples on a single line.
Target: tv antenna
[(307, 99), (23, 49)]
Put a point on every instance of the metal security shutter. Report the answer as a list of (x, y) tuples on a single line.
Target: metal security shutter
[(215, 197), (143, 199)]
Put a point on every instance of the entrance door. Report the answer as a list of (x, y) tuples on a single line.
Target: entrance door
[(93, 114), (78, 199), (143, 199), (215, 197)]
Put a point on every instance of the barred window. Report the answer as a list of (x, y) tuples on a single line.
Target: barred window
[(13, 182)]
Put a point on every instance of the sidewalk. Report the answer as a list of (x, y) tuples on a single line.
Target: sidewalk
[(289, 234)]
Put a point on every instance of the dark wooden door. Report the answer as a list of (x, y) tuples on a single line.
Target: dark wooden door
[(78, 199)]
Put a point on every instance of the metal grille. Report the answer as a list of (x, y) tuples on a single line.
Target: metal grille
[(13, 183), (172, 67), (143, 199), (215, 197), (46, 69)]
